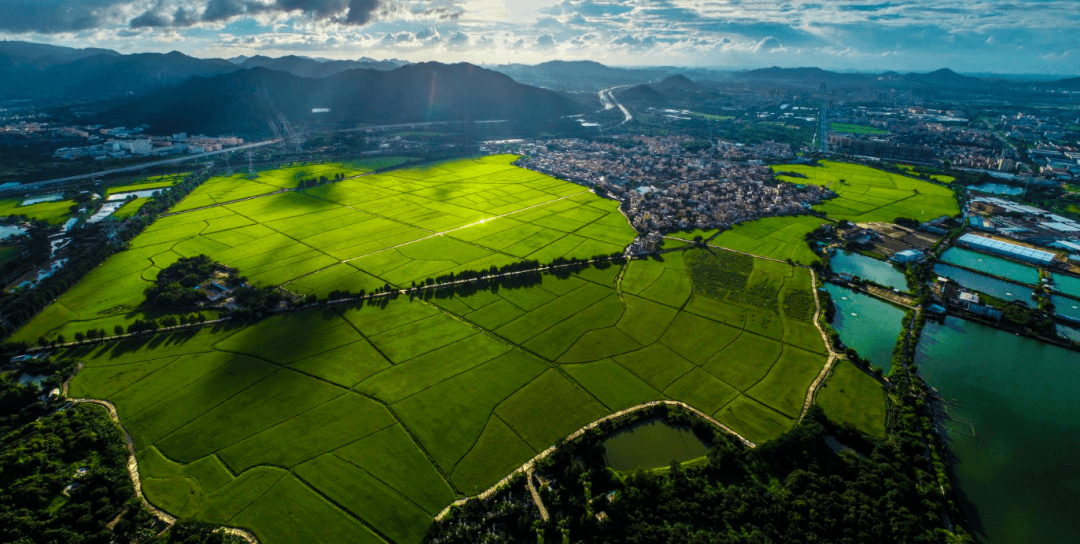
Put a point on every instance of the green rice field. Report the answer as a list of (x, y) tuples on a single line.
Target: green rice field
[(856, 129), (359, 423), (851, 396), (56, 212), (867, 194)]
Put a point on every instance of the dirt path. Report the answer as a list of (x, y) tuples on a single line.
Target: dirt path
[(133, 472), (811, 393), (530, 465)]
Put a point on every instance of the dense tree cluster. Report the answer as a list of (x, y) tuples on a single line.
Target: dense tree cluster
[(176, 285)]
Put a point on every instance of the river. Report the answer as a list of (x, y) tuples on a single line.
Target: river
[(867, 324), (985, 284), (1017, 471), (867, 268), (991, 265)]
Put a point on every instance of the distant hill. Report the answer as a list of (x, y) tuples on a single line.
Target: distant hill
[(103, 75), (641, 93), (799, 74), (677, 82), (40, 55), (583, 75), (247, 101), (315, 68), (944, 78)]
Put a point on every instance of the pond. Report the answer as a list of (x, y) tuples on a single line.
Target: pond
[(652, 444), (867, 324), (992, 265), (997, 189), (1066, 306), (1019, 402), (985, 284), (40, 199), (106, 210), (145, 193), (867, 268), (1070, 285), (7, 231)]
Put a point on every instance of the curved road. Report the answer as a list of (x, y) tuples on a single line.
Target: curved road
[(607, 97)]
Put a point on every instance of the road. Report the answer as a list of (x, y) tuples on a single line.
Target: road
[(607, 97), (26, 187)]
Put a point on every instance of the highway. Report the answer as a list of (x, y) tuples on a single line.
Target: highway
[(37, 185), (607, 97)]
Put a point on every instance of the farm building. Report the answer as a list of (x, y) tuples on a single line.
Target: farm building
[(1006, 249)]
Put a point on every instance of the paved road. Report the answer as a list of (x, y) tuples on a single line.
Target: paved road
[(133, 168), (607, 97)]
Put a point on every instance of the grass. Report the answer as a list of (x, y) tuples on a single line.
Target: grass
[(131, 208), (850, 396), (856, 129), (366, 420)]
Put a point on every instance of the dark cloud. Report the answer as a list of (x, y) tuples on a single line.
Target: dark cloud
[(51, 16)]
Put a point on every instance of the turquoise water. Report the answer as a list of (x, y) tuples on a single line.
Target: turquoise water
[(652, 444), (879, 272), (1067, 284), (1018, 471), (7, 231), (1066, 306), (997, 189), (992, 265), (867, 324), (985, 284)]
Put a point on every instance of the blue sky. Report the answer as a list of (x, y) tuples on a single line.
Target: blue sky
[(970, 36)]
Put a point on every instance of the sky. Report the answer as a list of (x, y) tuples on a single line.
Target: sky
[(969, 36)]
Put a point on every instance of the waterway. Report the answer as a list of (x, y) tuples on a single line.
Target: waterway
[(1016, 457), (7, 231), (985, 284), (997, 189), (1067, 284), (40, 199), (652, 444), (991, 265), (867, 268), (867, 324)]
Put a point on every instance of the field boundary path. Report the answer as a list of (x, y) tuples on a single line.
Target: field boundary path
[(811, 394), (530, 465), (133, 472)]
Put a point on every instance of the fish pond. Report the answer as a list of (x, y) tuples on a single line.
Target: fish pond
[(1066, 306), (868, 268), (652, 444), (1016, 406), (985, 284), (867, 324), (7, 231), (990, 264), (1069, 285)]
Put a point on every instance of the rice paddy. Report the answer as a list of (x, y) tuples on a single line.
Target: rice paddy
[(359, 423), (867, 194)]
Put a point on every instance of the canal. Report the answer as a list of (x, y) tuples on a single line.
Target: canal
[(1019, 400), (867, 268), (652, 444), (867, 324), (991, 265)]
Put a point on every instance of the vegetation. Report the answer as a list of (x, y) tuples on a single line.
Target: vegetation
[(177, 285), (866, 194), (795, 488), (856, 129)]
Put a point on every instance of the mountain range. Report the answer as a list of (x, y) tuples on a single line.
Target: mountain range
[(251, 101)]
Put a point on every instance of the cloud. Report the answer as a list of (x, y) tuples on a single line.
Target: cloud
[(545, 41)]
